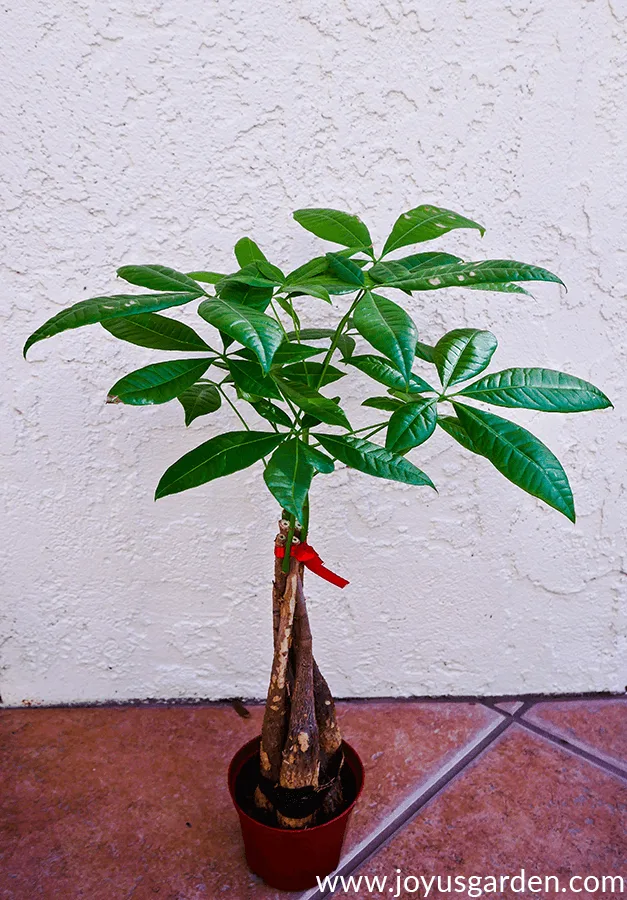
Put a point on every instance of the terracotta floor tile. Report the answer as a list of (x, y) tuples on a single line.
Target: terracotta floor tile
[(96, 801), (402, 745), (599, 726), (524, 803)]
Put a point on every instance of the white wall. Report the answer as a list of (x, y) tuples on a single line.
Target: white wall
[(162, 132)]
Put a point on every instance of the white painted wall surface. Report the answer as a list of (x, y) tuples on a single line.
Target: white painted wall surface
[(162, 132)]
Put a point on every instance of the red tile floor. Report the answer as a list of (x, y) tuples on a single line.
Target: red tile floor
[(110, 803)]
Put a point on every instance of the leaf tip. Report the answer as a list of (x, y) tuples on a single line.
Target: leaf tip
[(29, 343)]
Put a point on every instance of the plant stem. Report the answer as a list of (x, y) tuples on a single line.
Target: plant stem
[(304, 525), (288, 544)]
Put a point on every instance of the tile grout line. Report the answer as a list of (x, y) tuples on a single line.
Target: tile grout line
[(575, 749), (524, 708), (402, 814)]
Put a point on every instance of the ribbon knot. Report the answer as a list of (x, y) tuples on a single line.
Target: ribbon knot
[(306, 554)]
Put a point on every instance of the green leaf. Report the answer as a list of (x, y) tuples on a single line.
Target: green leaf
[(336, 226), (372, 459), (424, 223), (389, 404), (248, 375), (506, 287), (253, 329), (309, 421), (519, 456), (267, 270), (411, 425), (218, 456), (288, 352), (334, 285), (255, 297), (320, 461), (247, 251), (422, 260), (207, 277), (288, 476), (251, 276), (387, 271), (424, 351), (157, 332), (455, 429), (308, 272), (385, 372), (462, 353), (489, 271), (317, 274), (346, 346), (271, 413), (543, 389), (311, 372), (199, 400), (389, 329), (399, 269), (312, 290), (314, 403), (101, 309), (345, 269), (312, 334), (287, 307), (158, 382), (159, 278)]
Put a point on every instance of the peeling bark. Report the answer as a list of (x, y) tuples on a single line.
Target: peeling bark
[(278, 702), (329, 730), (301, 755)]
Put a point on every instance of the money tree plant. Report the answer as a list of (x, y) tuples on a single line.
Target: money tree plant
[(271, 370)]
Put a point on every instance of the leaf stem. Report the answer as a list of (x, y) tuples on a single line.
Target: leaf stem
[(378, 426), (277, 317), (233, 406), (336, 337), (375, 430)]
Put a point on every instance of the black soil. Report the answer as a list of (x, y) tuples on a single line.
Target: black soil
[(247, 782)]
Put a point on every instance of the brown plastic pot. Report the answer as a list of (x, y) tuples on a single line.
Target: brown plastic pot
[(286, 859)]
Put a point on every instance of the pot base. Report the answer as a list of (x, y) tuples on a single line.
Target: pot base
[(290, 860)]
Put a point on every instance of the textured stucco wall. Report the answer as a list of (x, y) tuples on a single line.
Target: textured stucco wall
[(147, 131)]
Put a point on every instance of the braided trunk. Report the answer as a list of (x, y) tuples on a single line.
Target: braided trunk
[(300, 756)]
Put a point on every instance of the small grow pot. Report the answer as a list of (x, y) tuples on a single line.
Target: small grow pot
[(290, 859)]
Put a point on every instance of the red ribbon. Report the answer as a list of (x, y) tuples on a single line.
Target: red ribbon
[(306, 554)]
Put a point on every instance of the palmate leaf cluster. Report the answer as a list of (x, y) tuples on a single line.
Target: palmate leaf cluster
[(272, 361)]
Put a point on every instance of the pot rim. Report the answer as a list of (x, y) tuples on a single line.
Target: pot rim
[(251, 747)]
